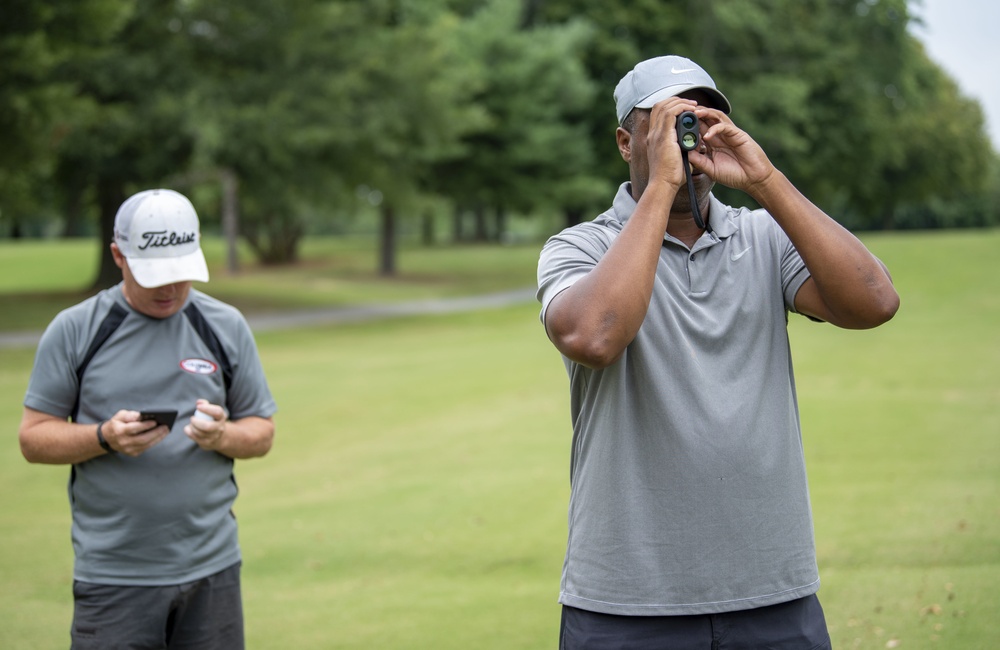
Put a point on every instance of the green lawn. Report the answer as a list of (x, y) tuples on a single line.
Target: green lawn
[(416, 495), (39, 278)]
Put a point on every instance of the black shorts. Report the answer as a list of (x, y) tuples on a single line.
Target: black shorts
[(206, 614), (795, 625)]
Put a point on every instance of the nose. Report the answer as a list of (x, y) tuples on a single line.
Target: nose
[(169, 290)]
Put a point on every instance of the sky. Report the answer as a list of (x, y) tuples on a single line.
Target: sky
[(963, 37)]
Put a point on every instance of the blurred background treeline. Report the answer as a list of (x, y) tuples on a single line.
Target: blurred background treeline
[(455, 120)]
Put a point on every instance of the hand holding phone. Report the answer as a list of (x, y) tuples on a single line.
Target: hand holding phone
[(160, 417)]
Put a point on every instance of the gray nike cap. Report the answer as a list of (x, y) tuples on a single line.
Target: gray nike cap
[(656, 79)]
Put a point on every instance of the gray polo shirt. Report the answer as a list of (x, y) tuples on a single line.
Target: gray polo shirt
[(689, 490), (164, 517)]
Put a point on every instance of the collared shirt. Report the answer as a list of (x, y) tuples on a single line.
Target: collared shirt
[(688, 480)]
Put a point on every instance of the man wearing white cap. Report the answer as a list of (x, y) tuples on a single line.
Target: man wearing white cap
[(150, 390), (689, 516)]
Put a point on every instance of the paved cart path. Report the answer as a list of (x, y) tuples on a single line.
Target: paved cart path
[(339, 315)]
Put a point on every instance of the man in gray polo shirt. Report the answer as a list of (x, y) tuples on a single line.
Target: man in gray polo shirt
[(689, 517), (157, 558)]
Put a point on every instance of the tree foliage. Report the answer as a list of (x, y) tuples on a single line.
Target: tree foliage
[(533, 147), (133, 126), (36, 40), (838, 92), (483, 104)]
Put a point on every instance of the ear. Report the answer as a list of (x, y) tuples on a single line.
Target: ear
[(624, 139), (117, 255)]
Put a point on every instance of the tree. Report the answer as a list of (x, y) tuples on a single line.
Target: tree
[(134, 126), (37, 38), (939, 149), (623, 34), (533, 149), (276, 90), (839, 94), (415, 109)]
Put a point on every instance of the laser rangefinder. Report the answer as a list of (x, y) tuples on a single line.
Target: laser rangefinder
[(688, 133)]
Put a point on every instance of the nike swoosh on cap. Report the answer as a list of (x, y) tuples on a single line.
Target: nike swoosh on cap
[(681, 71)]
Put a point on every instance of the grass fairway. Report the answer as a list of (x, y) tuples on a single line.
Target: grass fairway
[(39, 278), (417, 499), (416, 495), (902, 428)]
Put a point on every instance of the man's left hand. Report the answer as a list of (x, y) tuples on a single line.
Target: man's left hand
[(207, 432), (732, 158)]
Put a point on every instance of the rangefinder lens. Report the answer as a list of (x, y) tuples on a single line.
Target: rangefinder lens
[(687, 131)]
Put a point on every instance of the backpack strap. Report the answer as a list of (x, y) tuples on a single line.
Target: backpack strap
[(208, 336), (115, 318), (108, 326)]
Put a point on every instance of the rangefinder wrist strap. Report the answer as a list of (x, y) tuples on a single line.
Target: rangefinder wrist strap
[(695, 210)]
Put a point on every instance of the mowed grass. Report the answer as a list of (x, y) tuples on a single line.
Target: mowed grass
[(902, 429), (416, 494), (39, 278)]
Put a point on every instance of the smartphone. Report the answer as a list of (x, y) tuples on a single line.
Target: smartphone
[(160, 417)]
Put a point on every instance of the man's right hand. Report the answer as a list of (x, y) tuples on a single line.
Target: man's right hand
[(662, 149), (129, 435), (50, 439)]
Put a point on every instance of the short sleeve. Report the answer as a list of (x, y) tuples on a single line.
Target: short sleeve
[(793, 270), (53, 386), (249, 394), (569, 256)]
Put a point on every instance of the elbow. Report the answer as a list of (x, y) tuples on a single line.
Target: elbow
[(878, 311), (885, 302), (594, 353), (592, 340), (888, 307), (29, 450), (882, 309), (266, 444), (265, 439)]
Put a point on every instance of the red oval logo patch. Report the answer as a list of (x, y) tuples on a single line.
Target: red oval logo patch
[(198, 366)]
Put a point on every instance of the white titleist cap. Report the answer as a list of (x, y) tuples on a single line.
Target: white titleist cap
[(654, 80), (158, 233)]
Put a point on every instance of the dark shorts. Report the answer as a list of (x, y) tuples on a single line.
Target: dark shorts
[(206, 614), (795, 625)]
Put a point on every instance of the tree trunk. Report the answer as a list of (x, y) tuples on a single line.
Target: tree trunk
[(74, 211), (530, 13), (499, 224), (387, 242), (889, 216), (231, 217), (427, 229), (481, 233), (110, 196), (456, 225)]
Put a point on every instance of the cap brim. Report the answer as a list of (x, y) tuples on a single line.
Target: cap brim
[(156, 272), (719, 100)]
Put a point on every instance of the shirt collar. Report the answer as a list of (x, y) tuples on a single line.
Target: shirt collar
[(720, 216)]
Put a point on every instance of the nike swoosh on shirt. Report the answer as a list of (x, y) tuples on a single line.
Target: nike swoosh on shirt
[(681, 71), (736, 256)]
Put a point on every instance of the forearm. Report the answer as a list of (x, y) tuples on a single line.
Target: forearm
[(248, 437), (54, 441), (593, 321), (854, 288)]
